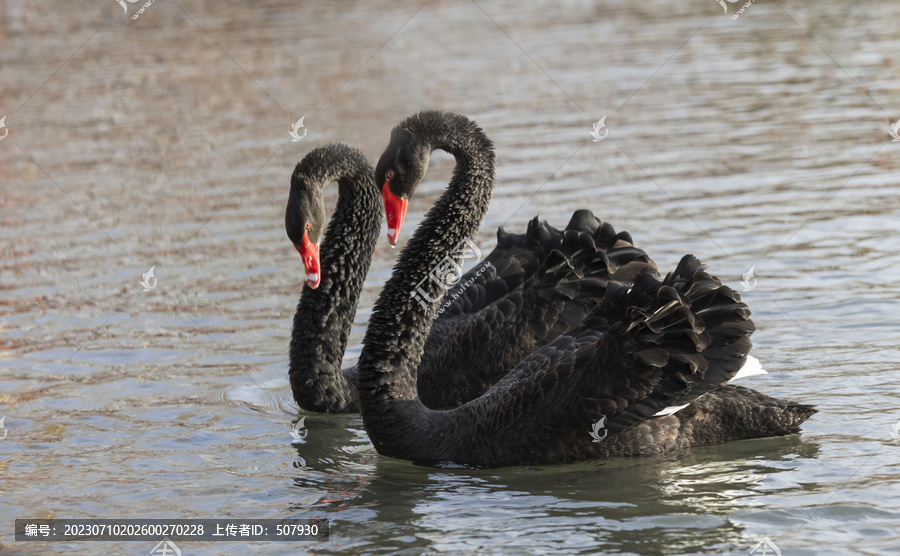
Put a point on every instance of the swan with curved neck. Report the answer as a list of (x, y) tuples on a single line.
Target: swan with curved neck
[(327, 307), (531, 288), (328, 304), (395, 339), (643, 349)]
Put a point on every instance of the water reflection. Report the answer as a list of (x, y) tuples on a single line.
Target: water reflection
[(641, 505)]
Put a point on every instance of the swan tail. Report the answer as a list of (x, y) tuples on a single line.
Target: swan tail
[(737, 413)]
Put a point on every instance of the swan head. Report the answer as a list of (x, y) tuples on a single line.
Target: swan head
[(400, 169), (304, 217)]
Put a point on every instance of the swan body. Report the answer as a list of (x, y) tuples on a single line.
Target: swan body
[(646, 346)]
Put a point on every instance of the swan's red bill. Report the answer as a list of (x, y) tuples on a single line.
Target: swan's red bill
[(309, 251), (395, 210)]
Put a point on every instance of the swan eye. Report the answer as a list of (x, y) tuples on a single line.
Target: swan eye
[(390, 174), (307, 225)]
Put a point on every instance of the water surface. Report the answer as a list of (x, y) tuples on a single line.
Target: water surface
[(163, 142)]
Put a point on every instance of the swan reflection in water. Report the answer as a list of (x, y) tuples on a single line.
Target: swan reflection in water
[(641, 505)]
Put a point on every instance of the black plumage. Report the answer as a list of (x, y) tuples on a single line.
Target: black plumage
[(530, 289), (325, 314), (646, 346)]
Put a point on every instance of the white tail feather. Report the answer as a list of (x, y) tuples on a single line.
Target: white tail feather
[(670, 410), (751, 367)]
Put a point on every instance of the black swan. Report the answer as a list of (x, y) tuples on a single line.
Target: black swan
[(599, 389), (529, 290), (328, 304)]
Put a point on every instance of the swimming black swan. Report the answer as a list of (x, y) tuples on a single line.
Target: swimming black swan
[(530, 289), (596, 390)]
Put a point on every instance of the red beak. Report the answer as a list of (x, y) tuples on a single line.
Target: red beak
[(309, 251), (395, 210)]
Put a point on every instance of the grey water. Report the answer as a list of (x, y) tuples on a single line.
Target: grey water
[(759, 142)]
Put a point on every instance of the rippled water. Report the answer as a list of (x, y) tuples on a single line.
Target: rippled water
[(757, 142)]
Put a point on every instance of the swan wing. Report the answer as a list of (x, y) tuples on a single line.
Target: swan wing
[(536, 286), (644, 349)]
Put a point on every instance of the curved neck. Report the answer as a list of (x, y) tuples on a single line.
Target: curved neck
[(405, 310), (325, 314)]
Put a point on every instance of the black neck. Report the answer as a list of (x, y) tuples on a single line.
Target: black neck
[(325, 314), (399, 325)]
